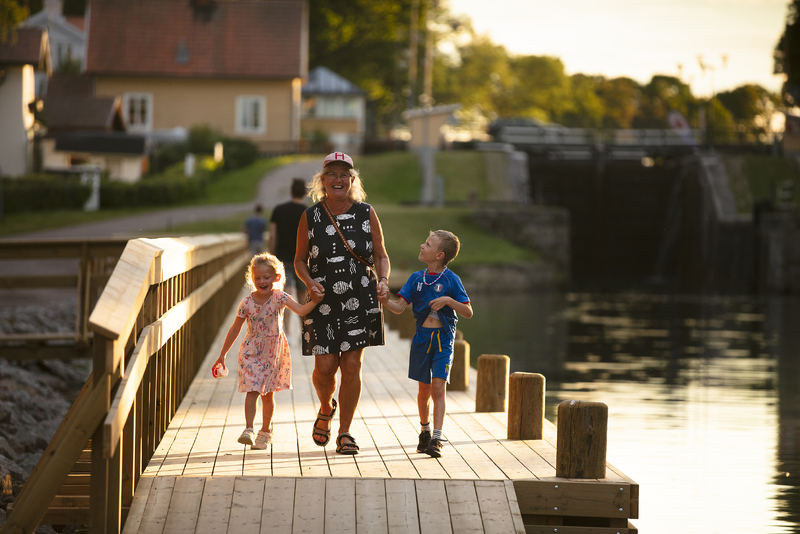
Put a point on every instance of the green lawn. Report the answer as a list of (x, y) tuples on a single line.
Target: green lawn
[(395, 177), (392, 182), (231, 187), (754, 178)]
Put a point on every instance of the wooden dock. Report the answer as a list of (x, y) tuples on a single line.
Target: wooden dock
[(201, 480)]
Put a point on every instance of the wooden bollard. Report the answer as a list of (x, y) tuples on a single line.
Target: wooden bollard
[(492, 387), (525, 406), (407, 326), (459, 371), (581, 441)]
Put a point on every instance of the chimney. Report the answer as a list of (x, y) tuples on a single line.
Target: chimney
[(53, 8)]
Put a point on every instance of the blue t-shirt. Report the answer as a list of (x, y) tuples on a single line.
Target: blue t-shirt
[(255, 226), (420, 293)]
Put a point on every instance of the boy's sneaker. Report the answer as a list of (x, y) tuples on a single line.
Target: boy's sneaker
[(263, 439), (248, 437), (424, 441), (435, 448)]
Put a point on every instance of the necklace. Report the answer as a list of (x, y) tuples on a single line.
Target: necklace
[(346, 208), (424, 281)]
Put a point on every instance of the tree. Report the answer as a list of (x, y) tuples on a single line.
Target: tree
[(365, 41), (538, 88), (585, 108), (475, 76), (11, 14), (787, 55), (662, 95), (752, 108), (621, 98)]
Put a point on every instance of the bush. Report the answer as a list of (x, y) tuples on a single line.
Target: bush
[(238, 153), (202, 139), (167, 155), (41, 192), (153, 191)]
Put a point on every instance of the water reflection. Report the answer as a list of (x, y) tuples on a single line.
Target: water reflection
[(703, 395)]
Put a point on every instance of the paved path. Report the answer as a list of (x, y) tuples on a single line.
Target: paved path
[(273, 189)]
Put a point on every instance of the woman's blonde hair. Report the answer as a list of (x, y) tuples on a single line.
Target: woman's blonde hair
[(316, 190), (266, 259)]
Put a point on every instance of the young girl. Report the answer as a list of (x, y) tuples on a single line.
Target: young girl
[(264, 362)]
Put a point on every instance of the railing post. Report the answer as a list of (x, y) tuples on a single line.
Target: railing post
[(490, 395), (526, 406), (459, 372), (99, 489), (581, 441)]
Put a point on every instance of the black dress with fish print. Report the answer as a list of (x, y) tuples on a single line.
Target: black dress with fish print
[(350, 316)]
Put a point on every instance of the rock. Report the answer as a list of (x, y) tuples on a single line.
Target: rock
[(7, 450), (19, 396), (5, 412), (9, 467)]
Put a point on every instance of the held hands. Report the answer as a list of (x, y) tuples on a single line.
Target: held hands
[(316, 296), (383, 296), (316, 291), (383, 291)]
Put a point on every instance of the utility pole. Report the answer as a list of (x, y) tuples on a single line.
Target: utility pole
[(412, 54)]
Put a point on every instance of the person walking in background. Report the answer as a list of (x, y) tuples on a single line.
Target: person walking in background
[(254, 227), (265, 365), (340, 255), (436, 295), (283, 232)]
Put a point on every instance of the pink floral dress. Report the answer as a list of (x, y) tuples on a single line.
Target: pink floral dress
[(264, 361)]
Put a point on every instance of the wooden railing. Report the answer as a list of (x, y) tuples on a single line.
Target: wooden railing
[(95, 259), (152, 326)]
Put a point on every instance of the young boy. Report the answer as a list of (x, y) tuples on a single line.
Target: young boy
[(436, 295)]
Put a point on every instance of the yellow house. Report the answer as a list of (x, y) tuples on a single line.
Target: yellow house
[(235, 66)]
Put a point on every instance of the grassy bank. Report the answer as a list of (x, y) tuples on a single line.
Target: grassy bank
[(230, 187), (755, 178), (392, 182)]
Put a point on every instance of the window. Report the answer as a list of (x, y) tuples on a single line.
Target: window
[(251, 114), (336, 107), (138, 110)]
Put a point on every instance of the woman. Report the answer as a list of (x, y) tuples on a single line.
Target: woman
[(349, 317)]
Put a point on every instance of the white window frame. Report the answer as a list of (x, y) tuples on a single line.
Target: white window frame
[(138, 125), (245, 112)]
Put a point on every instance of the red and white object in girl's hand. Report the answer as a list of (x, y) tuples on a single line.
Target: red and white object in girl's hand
[(219, 371)]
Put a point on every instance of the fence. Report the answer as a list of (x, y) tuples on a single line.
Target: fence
[(152, 326), (95, 260)]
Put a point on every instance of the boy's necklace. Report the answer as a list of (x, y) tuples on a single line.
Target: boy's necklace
[(424, 281)]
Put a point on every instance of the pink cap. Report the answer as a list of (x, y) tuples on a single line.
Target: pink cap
[(339, 157)]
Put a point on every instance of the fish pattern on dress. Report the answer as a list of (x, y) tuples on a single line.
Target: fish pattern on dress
[(349, 316), (341, 288)]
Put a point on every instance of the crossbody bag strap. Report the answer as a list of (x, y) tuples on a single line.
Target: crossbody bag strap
[(344, 240)]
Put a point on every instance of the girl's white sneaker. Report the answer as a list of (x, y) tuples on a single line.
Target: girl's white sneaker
[(247, 437), (263, 439)]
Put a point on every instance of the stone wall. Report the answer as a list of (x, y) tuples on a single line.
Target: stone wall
[(544, 229), (778, 268)]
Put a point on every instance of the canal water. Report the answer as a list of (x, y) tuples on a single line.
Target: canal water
[(703, 395)]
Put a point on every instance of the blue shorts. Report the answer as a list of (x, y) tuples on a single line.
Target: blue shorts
[(431, 355)]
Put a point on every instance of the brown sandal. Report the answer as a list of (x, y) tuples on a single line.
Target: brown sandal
[(348, 447), (326, 434)]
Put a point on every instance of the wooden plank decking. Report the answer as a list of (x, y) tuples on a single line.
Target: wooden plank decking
[(201, 480)]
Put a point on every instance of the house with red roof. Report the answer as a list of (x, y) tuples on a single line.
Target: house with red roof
[(66, 38), (24, 52), (87, 130), (237, 66)]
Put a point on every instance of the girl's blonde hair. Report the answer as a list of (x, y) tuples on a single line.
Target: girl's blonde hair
[(266, 259), (316, 190)]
